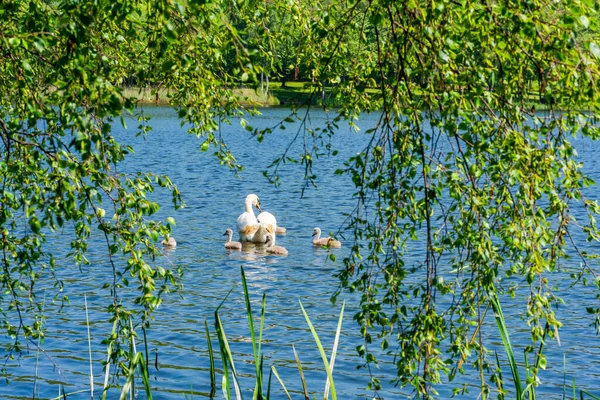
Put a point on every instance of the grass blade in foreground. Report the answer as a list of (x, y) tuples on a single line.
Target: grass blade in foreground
[(227, 359), (589, 394), (336, 342), (107, 365), (258, 391), (137, 360), (321, 350), (87, 323), (211, 359), (281, 382), (301, 372), (507, 346)]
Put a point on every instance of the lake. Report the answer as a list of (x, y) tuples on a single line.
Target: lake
[(214, 197)]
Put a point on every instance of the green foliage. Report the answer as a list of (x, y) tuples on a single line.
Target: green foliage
[(464, 193), (62, 70)]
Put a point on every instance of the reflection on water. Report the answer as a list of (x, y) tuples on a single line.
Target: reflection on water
[(215, 197)]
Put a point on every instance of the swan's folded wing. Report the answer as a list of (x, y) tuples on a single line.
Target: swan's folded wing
[(270, 228), (249, 229)]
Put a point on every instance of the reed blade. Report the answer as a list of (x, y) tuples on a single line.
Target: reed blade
[(227, 359), (588, 394), (495, 302), (301, 372), (145, 376), (269, 385), (336, 343), (499, 381), (107, 370), (255, 348), (262, 323), (211, 359), (322, 351), (274, 370), (87, 322)]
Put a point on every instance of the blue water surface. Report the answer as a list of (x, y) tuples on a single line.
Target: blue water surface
[(214, 197)]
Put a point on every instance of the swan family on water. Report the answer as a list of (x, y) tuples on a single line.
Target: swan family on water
[(261, 229), (256, 229)]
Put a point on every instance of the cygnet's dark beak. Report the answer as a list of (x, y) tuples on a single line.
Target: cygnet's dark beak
[(225, 234), (258, 206)]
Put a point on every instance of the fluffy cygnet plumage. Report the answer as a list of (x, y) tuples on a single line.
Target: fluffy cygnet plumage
[(280, 230), (275, 249), (247, 224), (326, 241), (230, 245), (170, 243)]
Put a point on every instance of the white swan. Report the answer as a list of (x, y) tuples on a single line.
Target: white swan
[(326, 241), (271, 249), (229, 245), (263, 231), (247, 224), (268, 227), (171, 243)]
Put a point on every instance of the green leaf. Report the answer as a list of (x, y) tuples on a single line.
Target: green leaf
[(14, 42), (595, 49), (35, 225)]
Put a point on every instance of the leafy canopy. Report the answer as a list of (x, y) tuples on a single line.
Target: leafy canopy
[(460, 174)]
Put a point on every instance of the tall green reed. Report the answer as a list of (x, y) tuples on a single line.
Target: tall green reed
[(527, 391), (230, 375)]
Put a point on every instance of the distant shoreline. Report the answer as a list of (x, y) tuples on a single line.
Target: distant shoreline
[(293, 92), (301, 93), (246, 96)]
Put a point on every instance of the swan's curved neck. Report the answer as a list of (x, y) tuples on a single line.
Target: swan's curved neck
[(249, 206)]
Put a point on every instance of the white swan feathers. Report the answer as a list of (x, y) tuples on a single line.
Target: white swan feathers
[(268, 227), (256, 229), (247, 224)]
